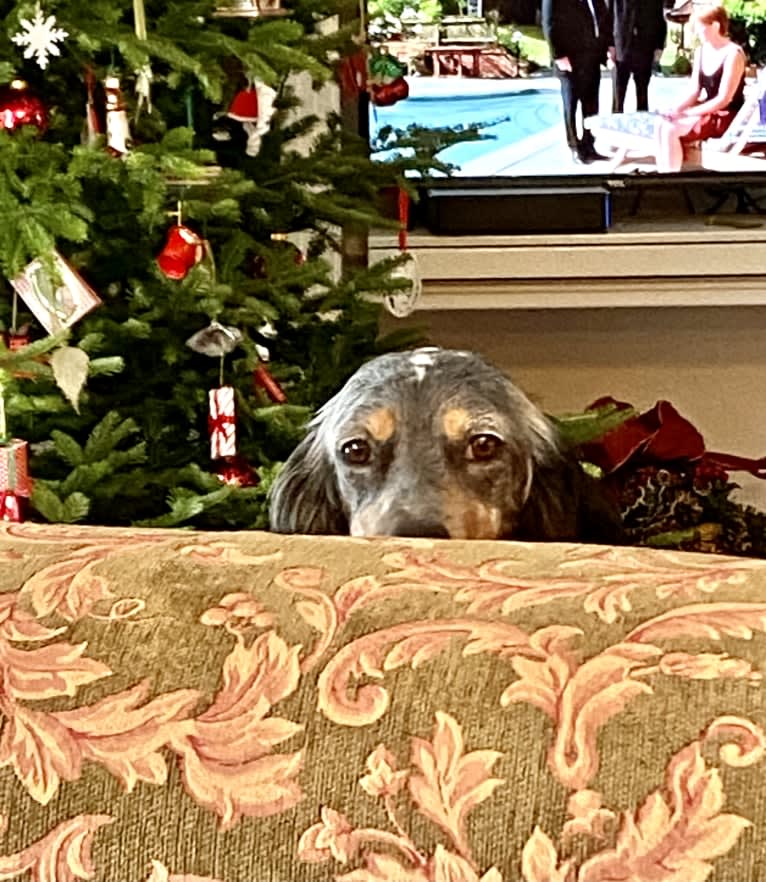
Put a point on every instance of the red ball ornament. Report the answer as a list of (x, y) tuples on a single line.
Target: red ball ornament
[(386, 94), (237, 472), (19, 106)]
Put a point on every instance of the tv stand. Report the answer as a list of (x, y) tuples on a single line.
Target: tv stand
[(745, 202), (692, 260)]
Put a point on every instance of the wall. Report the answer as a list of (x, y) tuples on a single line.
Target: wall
[(710, 362)]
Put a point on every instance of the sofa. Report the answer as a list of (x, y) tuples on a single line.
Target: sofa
[(243, 706)]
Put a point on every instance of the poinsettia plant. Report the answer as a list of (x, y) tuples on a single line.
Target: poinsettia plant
[(672, 491)]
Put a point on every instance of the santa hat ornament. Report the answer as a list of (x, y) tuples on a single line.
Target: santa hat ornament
[(253, 106), (244, 105)]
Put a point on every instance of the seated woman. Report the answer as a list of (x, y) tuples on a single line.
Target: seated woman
[(718, 82)]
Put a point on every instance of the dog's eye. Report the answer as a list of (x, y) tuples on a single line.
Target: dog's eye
[(356, 452), (484, 447)]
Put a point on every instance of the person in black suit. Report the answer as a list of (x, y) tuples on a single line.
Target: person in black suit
[(640, 30), (579, 33)]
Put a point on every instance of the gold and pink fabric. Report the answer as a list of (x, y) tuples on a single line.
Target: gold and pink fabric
[(247, 706)]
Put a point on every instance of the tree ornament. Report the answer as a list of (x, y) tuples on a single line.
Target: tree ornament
[(222, 422), (118, 139), (237, 472), (252, 106), (54, 292), (244, 105), (15, 483), (182, 251), (93, 128), (385, 80), (262, 379), (216, 340), (19, 106), (386, 94), (144, 74), (17, 338), (250, 9), (40, 36), (403, 302)]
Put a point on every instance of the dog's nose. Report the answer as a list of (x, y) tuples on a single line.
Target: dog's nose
[(418, 529)]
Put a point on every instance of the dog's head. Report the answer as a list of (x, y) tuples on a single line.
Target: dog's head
[(430, 443)]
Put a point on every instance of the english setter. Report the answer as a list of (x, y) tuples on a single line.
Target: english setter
[(437, 443)]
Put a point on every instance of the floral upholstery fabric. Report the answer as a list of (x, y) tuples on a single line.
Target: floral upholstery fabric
[(247, 706)]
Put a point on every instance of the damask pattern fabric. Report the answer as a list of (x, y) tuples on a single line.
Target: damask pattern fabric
[(226, 707)]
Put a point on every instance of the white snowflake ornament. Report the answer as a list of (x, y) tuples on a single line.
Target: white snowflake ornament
[(40, 36)]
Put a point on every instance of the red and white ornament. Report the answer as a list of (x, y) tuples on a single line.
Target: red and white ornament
[(222, 422), (253, 106), (15, 483), (118, 138)]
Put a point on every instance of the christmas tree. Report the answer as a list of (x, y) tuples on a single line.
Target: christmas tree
[(173, 300)]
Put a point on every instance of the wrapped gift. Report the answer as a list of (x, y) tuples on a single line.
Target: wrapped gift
[(222, 422), (15, 483)]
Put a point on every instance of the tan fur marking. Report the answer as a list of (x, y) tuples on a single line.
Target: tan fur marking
[(455, 422), (381, 424), (466, 517)]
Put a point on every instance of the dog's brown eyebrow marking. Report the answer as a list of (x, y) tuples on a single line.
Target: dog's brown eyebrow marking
[(455, 421), (381, 423)]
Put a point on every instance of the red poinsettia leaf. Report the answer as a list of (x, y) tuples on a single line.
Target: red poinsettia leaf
[(675, 438), (619, 445)]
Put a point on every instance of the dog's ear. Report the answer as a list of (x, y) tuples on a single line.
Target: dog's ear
[(566, 504), (305, 496)]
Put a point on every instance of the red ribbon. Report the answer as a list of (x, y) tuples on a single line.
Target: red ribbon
[(660, 434), (404, 218)]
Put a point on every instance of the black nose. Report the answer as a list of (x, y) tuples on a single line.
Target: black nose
[(408, 526)]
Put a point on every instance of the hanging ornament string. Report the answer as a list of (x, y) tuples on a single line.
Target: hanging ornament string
[(144, 73), (139, 19), (403, 302)]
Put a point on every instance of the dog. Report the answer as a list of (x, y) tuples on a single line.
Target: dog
[(437, 443)]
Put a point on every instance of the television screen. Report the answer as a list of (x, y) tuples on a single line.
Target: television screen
[(489, 67)]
